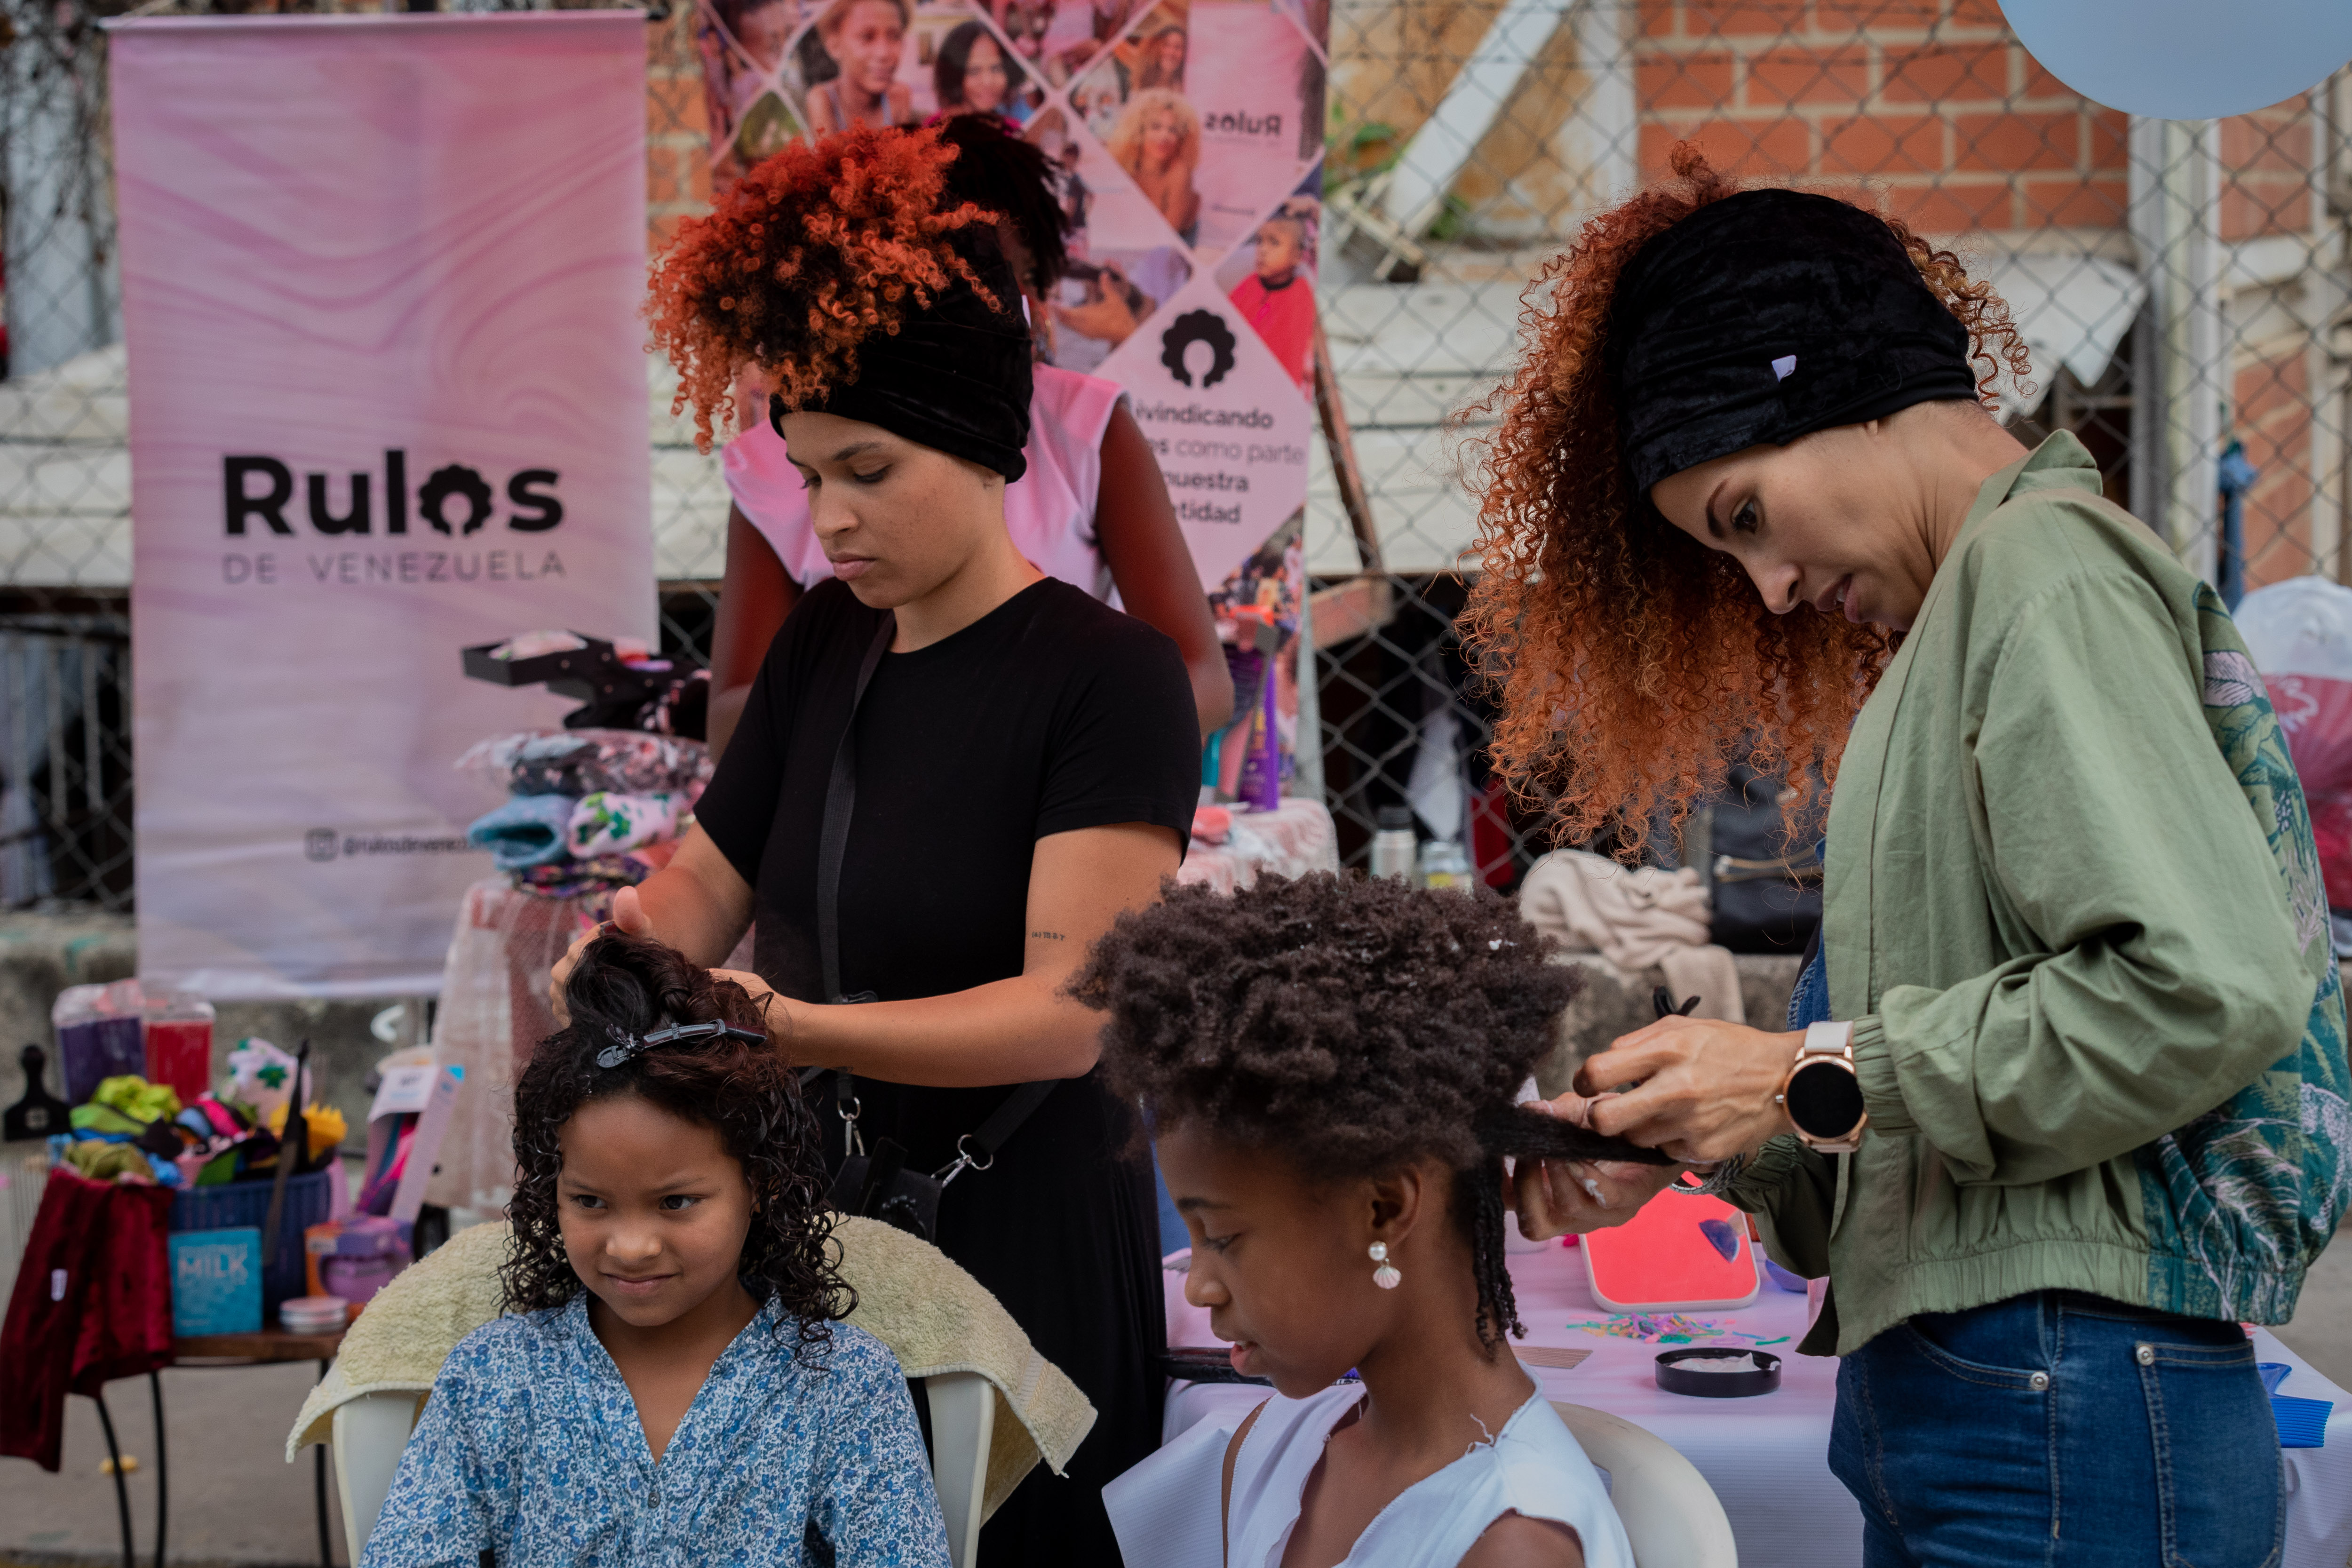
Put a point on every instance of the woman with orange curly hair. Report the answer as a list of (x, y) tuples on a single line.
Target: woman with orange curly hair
[(2059, 1100), (950, 774)]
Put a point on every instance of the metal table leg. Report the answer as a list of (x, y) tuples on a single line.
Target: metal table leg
[(121, 1493), (163, 1469)]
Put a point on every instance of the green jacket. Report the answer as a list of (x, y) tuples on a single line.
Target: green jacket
[(2074, 912)]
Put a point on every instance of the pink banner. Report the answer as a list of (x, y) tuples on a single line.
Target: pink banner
[(381, 277)]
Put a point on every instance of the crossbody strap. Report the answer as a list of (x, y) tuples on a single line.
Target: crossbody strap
[(840, 800), (976, 1149)]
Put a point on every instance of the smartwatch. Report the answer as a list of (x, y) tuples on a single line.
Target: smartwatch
[(1823, 1092)]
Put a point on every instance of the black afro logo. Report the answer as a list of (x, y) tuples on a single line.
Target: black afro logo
[(1198, 327), (456, 479)]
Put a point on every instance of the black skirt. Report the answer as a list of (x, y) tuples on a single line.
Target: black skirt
[(1063, 1231)]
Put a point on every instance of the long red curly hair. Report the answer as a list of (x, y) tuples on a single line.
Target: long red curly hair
[(1632, 665), (809, 254)]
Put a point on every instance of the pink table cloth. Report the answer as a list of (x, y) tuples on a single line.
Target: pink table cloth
[(1767, 1457)]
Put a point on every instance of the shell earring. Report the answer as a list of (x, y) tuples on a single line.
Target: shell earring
[(1385, 1275)]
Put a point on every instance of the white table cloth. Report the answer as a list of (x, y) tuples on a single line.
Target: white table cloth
[(1767, 1457)]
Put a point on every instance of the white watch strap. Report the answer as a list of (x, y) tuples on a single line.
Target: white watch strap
[(1827, 1041)]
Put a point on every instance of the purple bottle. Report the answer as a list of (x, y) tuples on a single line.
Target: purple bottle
[(99, 1036)]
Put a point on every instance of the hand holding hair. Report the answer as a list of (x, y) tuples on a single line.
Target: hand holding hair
[(629, 918), (1563, 1197), (1526, 1133), (1701, 1089)]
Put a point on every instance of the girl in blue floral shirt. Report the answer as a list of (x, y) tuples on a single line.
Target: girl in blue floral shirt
[(673, 1384)]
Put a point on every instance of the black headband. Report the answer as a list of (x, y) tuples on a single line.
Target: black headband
[(955, 376), (1766, 316)]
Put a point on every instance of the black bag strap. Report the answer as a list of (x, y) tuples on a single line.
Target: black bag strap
[(1007, 1118), (840, 800), (832, 840)]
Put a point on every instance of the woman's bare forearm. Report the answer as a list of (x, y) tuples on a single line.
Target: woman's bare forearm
[(1017, 1029), (1007, 1031), (696, 903)]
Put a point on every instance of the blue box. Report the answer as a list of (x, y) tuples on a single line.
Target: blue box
[(215, 1282), (236, 1205)]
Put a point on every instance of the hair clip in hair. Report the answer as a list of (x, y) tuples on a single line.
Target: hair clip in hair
[(627, 1046)]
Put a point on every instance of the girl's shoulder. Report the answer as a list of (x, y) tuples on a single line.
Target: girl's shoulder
[(844, 1350), (511, 1344), (1533, 1468), (846, 1365)]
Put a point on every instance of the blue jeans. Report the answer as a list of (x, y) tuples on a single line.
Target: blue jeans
[(2060, 1429)]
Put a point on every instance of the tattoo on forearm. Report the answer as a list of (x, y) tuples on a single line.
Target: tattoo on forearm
[(1046, 936)]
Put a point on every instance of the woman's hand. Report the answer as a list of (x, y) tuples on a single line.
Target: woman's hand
[(775, 1009), (628, 915), (1554, 1197), (1698, 1089)]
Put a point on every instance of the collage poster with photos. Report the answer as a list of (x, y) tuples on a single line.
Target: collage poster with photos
[(1189, 137)]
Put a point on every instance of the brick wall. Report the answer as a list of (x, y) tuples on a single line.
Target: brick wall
[(2266, 160), (2270, 412), (1932, 102)]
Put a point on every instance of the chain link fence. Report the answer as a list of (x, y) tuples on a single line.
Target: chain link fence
[(2183, 287)]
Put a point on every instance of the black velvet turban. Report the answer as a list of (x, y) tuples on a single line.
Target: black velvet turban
[(1766, 316), (955, 377)]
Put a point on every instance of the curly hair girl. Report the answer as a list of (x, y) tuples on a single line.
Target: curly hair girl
[(671, 1321), (1355, 1027), (623, 989), (1329, 1067), (1635, 664), (809, 254)]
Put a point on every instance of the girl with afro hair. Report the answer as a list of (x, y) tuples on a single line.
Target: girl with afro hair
[(1329, 1067), (950, 774), (673, 1382)]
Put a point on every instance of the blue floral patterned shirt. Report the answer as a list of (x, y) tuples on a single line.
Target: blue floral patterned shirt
[(530, 1450)]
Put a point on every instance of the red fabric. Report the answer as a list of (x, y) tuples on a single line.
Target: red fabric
[(128, 1334), (1490, 834), (2331, 835), (93, 1302)]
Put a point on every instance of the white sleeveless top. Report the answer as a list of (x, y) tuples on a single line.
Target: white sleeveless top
[(1164, 1511), (1049, 510)]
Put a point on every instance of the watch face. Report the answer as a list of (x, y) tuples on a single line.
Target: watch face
[(1824, 1099)]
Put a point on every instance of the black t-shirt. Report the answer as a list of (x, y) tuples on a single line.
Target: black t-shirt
[(1053, 712)]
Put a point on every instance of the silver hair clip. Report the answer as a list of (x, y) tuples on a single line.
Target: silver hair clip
[(628, 1046)]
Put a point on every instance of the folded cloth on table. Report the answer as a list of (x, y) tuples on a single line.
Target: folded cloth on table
[(582, 762), (566, 879), (526, 830), (610, 822), (934, 1316), (1636, 917)]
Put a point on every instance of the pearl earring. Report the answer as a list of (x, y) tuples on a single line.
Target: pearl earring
[(1385, 1275)]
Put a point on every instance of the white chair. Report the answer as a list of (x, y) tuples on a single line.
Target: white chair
[(1670, 1513), (369, 1431)]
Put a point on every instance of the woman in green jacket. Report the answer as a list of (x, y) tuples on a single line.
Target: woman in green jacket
[(2061, 1097)]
